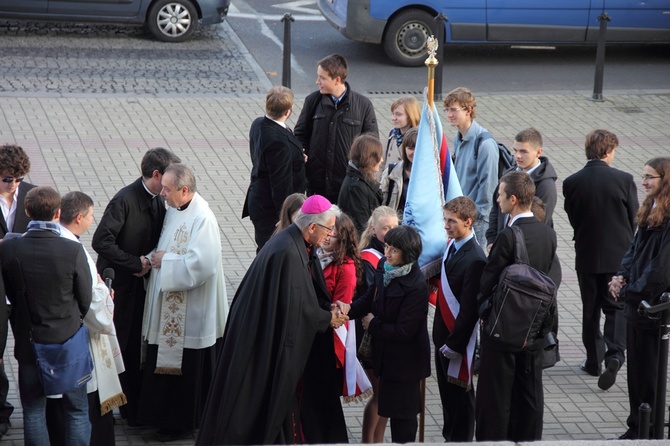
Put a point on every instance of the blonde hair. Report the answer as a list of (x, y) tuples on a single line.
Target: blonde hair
[(377, 215), (412, 108)]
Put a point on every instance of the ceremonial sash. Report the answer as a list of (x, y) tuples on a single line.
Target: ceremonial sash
[(460, 368), (356, 384)]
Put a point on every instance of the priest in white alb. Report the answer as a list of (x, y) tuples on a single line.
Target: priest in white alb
[(185, 311)]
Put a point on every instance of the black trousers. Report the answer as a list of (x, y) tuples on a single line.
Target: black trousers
[(510, 398), (596, 299), (458, 405), (643, 345), (263, 230)]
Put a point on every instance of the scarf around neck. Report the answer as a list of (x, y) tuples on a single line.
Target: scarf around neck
[(393, 272), (397, 134)]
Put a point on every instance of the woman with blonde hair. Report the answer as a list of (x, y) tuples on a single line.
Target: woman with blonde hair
[(360, 193), (405, 114)]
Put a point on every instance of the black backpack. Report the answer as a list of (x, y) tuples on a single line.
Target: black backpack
[(505, 157), (523, 303)]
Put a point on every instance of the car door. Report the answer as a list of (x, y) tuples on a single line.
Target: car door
[(17, 8), (541, 21), (632, 20), (96, 8)]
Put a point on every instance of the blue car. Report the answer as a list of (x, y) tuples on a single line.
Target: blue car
[(167, 20), (402, 26)]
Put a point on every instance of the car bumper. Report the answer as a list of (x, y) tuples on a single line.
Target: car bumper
[(214, 11), (353, 21)]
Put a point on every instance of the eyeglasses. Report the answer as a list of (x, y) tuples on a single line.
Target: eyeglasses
[(327, 228), (644, 177), (9, 180), (453, 110)]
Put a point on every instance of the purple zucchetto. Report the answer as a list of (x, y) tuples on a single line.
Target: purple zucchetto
[(316, 204)]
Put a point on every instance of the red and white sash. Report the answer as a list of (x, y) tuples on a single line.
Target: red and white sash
[(460, 368), (356, 383)]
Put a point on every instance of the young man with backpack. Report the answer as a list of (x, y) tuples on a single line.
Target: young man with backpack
[(510, 401), (528, 158), (478, 175)]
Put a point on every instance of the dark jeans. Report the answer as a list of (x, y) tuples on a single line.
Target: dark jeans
[(33, 400)]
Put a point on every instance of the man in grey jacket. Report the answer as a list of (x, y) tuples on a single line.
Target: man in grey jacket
[(478, 175)]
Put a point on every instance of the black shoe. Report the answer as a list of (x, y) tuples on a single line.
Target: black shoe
[(608, 378), (630, 434), (583, 368), (4, 427), (164, 435)]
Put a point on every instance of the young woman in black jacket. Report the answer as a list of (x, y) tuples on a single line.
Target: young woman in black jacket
[(645, 275)]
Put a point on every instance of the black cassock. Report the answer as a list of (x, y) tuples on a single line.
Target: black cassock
[(271, 326)]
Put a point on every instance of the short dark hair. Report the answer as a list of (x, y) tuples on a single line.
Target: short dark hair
[(599, 143), (278, 101), (406, 239), (73, 204), (335, 65), (158, 159), (42, 203), (14, 161), (529, 135), (463, 207), (521, 185)]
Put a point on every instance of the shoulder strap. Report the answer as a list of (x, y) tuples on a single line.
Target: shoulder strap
[(391, 166), (482, 137), (520, 252)]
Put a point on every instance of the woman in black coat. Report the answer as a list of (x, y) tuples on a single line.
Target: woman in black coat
[(360, 193), (398, 302), (645, 275)]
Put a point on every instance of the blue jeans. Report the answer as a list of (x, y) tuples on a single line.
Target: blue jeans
[(33, 400)]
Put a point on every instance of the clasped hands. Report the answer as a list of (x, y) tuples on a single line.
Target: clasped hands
[(615, 286), (337, 316)]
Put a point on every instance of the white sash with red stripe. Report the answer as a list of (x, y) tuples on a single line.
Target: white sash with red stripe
[(460, 368)]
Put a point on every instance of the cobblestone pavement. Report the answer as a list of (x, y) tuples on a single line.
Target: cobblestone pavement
[(112, 59), (85, 139)]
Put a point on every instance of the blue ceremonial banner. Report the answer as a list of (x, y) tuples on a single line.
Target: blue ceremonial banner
[(433, 182)]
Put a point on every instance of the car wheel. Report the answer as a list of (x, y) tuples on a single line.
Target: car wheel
[(172, 20), (406, 35)]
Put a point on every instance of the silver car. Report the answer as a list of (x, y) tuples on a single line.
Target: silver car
[(168, 20)]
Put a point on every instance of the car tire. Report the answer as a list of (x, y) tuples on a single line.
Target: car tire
[(172, 20), (406, 35)]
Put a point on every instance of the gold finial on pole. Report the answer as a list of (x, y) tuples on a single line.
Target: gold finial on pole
[(431, 63)]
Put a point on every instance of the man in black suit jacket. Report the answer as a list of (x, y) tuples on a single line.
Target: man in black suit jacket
[(129, 229), (48, 277), (278, 164), (14, 165), (601, 203), (463, 264), (510, 401)]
